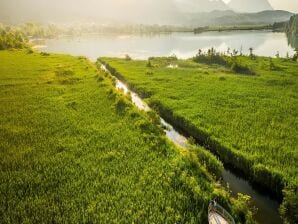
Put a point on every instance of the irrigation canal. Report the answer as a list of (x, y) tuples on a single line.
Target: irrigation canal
[(267, 207)]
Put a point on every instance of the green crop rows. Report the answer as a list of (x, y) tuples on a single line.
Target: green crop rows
[(72, 150), (249, 120)]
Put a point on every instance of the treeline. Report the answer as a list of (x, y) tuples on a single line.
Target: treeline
[(10, 38), (229, 60), (33, 30), (82, 29), (18, 36), (232, 28), (291, 27)]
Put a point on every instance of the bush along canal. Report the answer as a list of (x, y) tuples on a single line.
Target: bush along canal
[(265, 202)]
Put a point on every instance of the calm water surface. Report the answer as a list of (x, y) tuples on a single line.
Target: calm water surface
[(184, 45)]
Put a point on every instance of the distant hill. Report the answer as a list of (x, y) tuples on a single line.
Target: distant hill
[(164, 12), (249, 5), (128, 11), (232, 18)]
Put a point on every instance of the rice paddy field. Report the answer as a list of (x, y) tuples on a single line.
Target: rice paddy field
[(73, 150), (249, 120)]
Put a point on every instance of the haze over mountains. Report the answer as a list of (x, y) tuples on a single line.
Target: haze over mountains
[(249, 5), (191, 6), (167, 12)]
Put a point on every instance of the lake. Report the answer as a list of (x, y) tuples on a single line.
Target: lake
[(183, 45)]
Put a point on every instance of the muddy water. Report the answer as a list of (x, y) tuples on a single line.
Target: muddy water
[(267, 207)]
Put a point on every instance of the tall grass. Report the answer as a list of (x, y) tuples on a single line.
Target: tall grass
[(248, 121), (73, 150)]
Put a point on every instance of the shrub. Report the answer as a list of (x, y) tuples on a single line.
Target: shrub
[(10, 39), (241, 69), (210, 59), (127, 58), (44, 54), (213, 57), (121, 105), (149, 65), (289, 206), (29, 51), (64, 72)]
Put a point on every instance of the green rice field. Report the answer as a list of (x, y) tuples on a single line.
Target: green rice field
[(73, 150), (249, 120)]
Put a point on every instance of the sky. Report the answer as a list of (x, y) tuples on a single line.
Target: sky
[(139, 11), (290, 5)]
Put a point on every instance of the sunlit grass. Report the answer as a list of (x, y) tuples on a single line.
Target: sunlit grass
[(70, 154), (250, 121)]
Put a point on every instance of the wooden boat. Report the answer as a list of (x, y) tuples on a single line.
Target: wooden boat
[(218, 215)]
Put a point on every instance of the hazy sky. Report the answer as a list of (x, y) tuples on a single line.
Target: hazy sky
[(290, 5), (139, 11)]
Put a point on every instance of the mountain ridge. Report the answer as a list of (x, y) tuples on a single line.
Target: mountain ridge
[(166, 12), (231, 18)]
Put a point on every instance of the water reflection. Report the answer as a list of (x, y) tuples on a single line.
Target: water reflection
[(267, 208), (293, 40), (171, 133), (184, 45)]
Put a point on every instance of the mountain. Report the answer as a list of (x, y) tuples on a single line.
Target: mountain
[(249, 5), (164, 12), (136, 11), (230, 18)]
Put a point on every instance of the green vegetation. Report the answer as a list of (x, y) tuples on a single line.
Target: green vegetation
[(291, 29), (250, 122), (73, 150), (232, 62), (279, 27), (292, 25), (232, 28), (16, 37), (10, 38), (39, 31)]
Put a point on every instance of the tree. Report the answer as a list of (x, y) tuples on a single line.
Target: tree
[(277, 54), (127, 57), (295, 57), (292, 26), (199, 52), (251, 55), (149, 65)]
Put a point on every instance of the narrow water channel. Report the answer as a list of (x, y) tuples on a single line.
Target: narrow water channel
[(267, 212)]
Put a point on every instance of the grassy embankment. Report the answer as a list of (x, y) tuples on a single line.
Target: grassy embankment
[(72, 150), (249, 120)]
